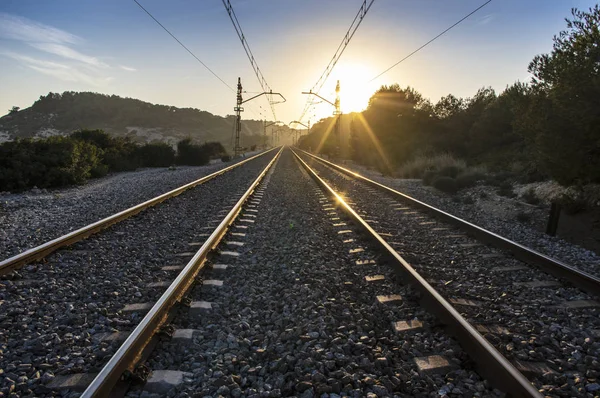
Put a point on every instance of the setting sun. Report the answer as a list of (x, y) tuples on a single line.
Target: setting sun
[(354, 88)]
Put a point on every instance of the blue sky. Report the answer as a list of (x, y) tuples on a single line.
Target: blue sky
[(113, 47)]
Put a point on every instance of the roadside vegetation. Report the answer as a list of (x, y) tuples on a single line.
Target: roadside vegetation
[(548, 128), (60, 161)]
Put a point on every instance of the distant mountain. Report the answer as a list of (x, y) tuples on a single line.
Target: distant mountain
[(61, 114)]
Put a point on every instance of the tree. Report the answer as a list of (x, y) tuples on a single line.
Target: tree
[(493, 136), (14, 110), (156, 155), (448, 106), (191, 154), (564, 114), (397, 122)]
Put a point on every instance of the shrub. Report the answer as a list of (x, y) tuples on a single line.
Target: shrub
[(213, 149), (446, 184), (429, 176), (191, 154), (47, 163), (500, 178), (118, 153), (449, 171), (156, 155), (467, 179), (529, 176), (121, 159), (506, 189), (417, 167), (100, 170), (225, 158), (530, 197), (96, 137)]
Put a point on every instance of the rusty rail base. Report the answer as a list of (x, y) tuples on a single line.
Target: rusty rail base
[(41, 251), (578, 278), (489, 362), (131, 351)]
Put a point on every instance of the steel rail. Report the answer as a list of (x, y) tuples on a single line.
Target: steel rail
[(578, 278), (131, 351), (41, 251), (490, 363)]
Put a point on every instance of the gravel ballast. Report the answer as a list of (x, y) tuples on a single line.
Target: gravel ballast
[(527, 323), (296, 317), (31, 218), (56, 313), (483, 207)]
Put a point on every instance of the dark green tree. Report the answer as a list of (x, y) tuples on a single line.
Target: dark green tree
[(563, 117), (191, 154), (156, 155)]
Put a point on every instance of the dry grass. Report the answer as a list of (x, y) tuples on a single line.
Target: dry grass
[(417, 167)]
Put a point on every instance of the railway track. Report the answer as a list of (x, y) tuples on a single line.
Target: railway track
[(39, 252), (296, 291), (524, 303), (67, 314), (291, 313)]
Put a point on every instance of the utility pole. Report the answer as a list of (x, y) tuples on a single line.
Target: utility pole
[(337, 112), (272, 132), (238, 119), (297, 132), (278, 135), (238, 110)]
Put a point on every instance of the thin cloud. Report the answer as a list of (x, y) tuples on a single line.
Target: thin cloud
[(23, 29), (72, 75), (24, 59), (484, 20), (66, 63), (67, 52), (57, 70), (127, 68)]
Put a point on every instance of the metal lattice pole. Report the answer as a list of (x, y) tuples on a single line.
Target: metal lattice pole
[(238, 119), (338, 114), (265, 134)]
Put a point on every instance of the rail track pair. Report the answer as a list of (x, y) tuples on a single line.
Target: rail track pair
[(491, 363)]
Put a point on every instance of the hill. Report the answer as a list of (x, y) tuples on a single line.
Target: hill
[(61, 114)]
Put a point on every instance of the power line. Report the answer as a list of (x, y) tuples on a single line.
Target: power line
[(430, 41), (362, 11), (189, 51), (238, 29), (364, 8), (183, 45)]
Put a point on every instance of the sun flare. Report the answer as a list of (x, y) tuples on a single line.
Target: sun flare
[(354, 90)]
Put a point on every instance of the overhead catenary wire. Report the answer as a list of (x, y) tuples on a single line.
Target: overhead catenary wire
[(191, 53), (360, 15), (362, 12), (259, 75), (432, 40), (183, 45)]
